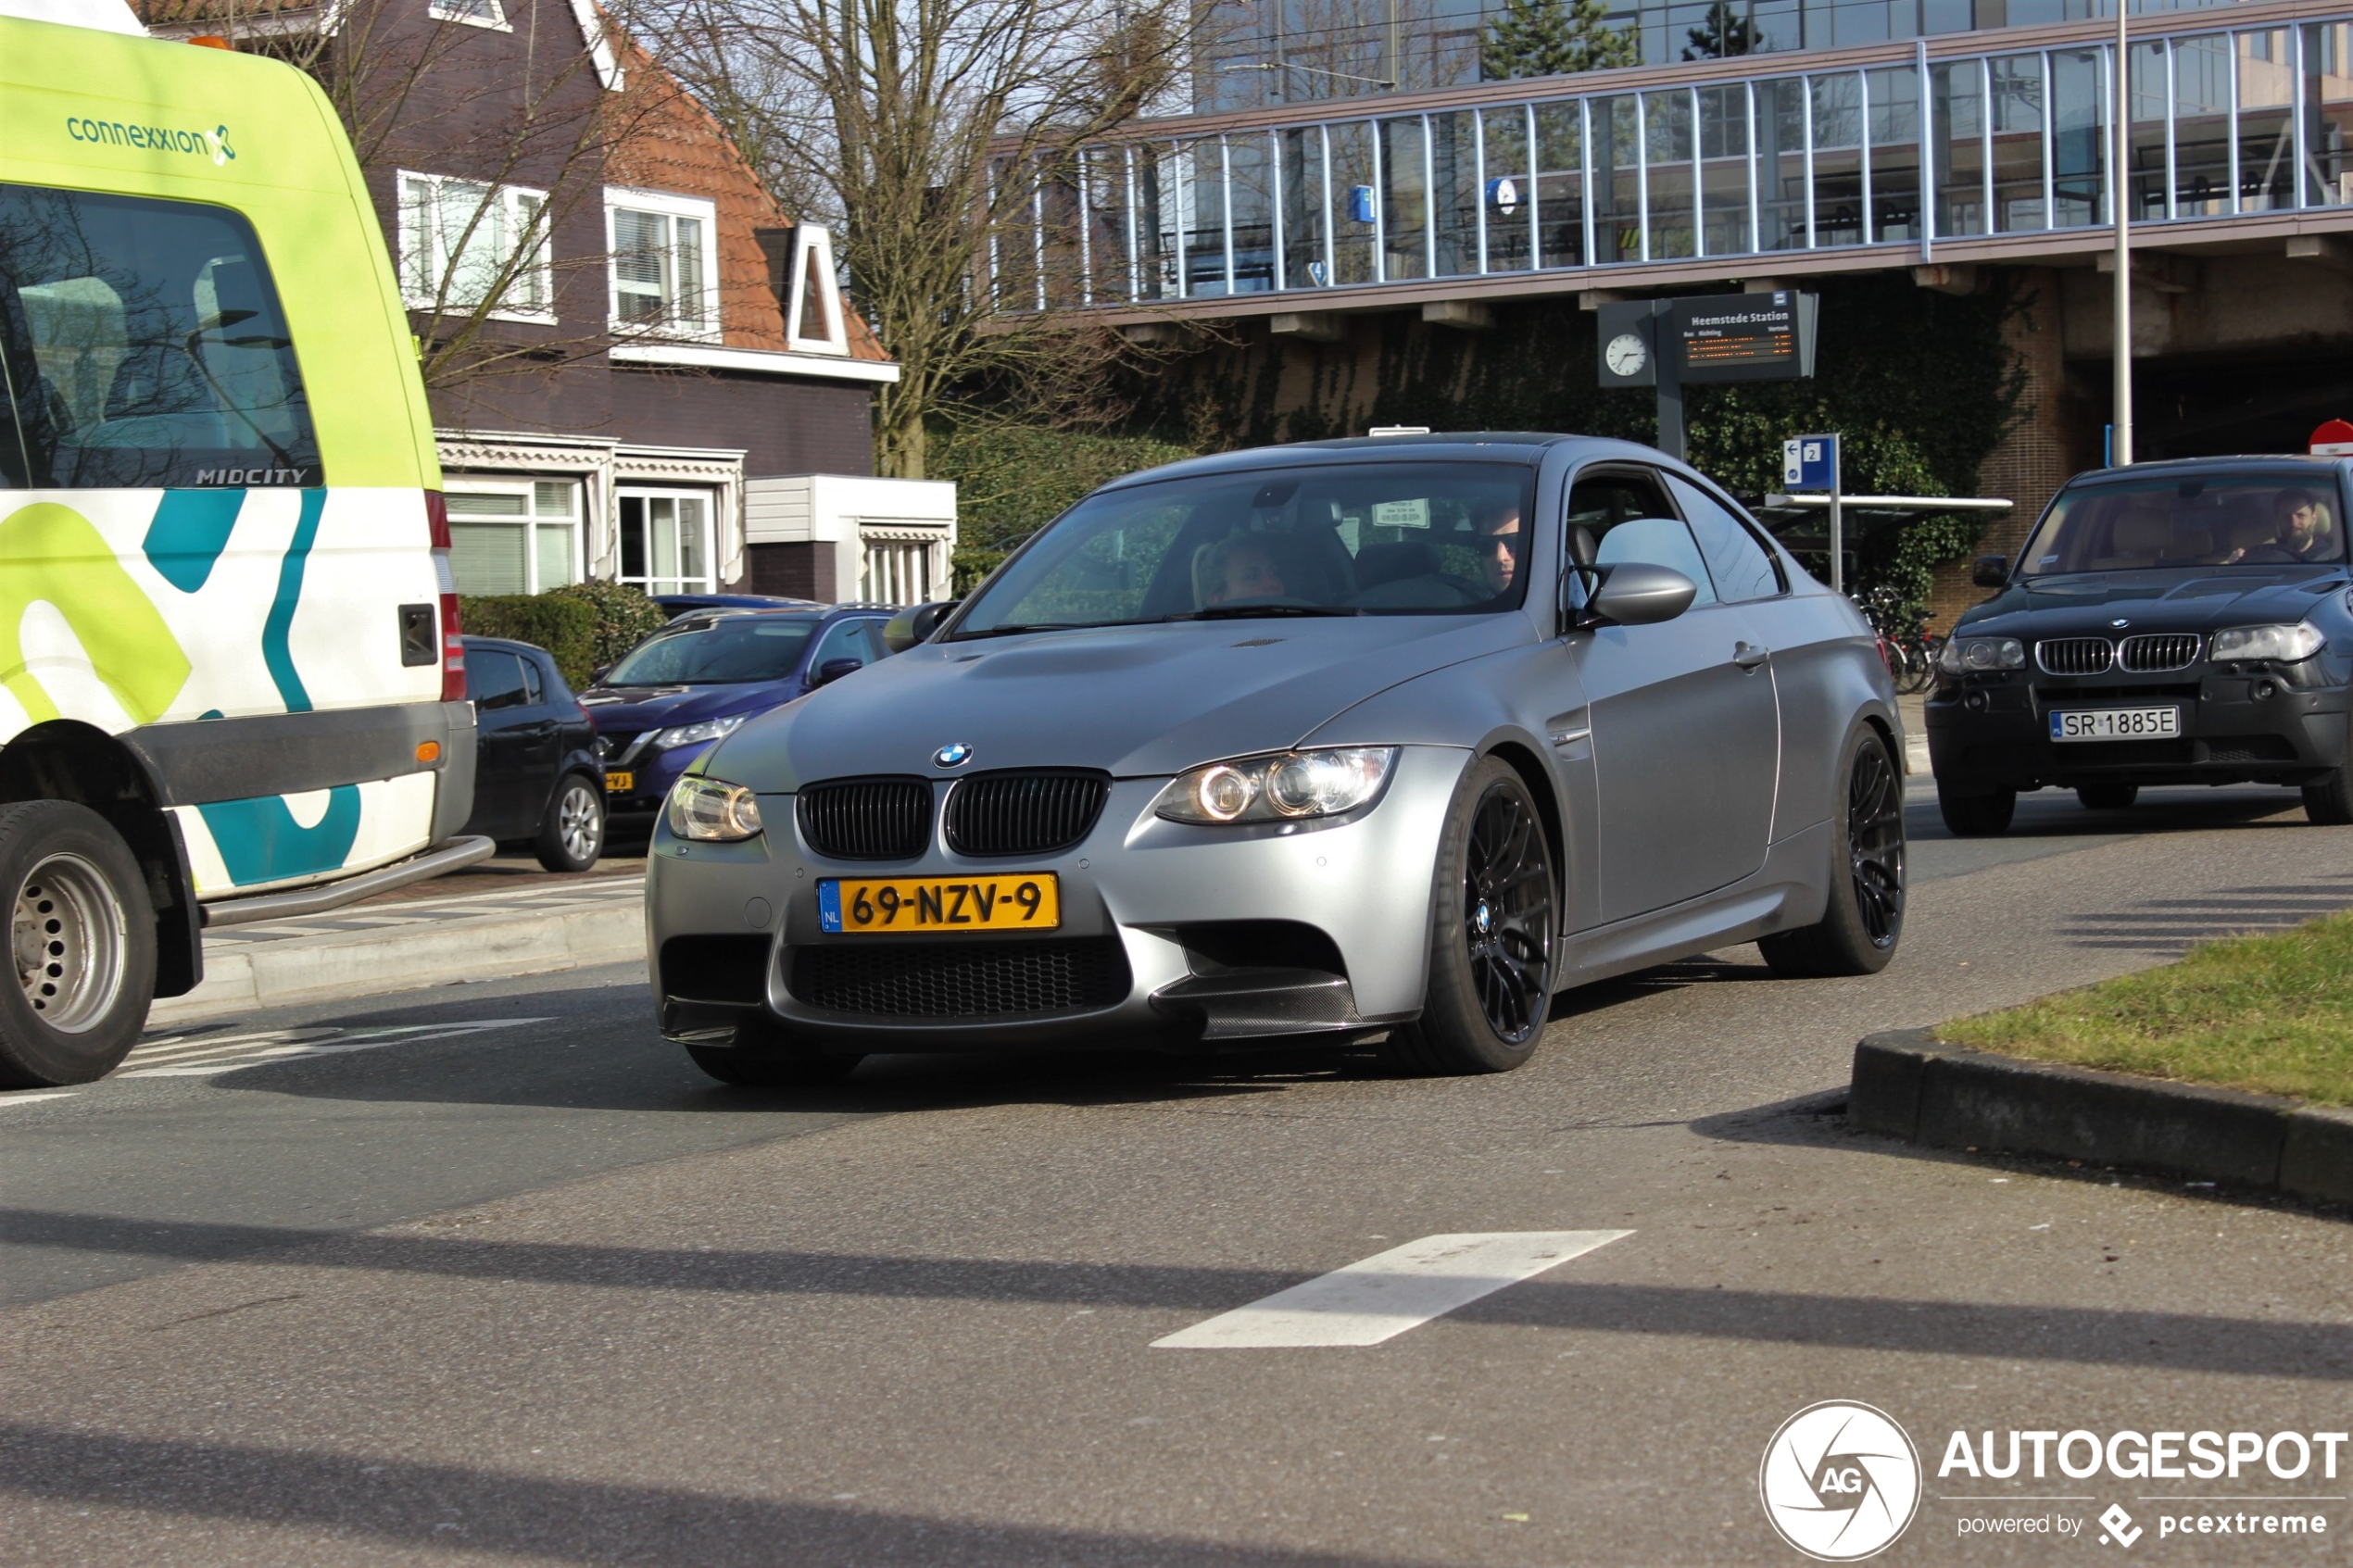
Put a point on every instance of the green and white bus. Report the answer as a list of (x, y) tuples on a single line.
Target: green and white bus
[(230, 682)]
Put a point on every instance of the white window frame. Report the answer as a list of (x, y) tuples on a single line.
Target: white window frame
[(497, 21), (663, 204), (529, 520), (708, 583), (419, 293)]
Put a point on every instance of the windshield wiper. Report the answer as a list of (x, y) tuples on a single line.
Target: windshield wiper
[(1248, 612), (1011, 631)]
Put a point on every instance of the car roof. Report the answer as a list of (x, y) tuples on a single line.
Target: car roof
[(1521, 447), (505, 645), (2184, 468)]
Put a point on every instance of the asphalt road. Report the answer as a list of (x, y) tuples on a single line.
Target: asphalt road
[(488, 1274)]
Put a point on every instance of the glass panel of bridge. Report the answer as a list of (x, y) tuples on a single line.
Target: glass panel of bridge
[(1058, 252), (2019, 195), (1724, 165), (1956, 103), (2328, 114), (1305, 217), (1355, 200), (1618, 199), (1666, 124), (1014, 247), (1510, 239), (1251, 165), (1894, 118), (2144, 167), (1404, 199), (1201, 196), (1155, 221), (1453, 156), (1838, 158), (1560, 186), (2079, 138), (2201, 127), (1781, 163), (1103, 172), (2267, 136)]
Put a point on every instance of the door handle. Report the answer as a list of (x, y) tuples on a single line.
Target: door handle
[(1748, 656)]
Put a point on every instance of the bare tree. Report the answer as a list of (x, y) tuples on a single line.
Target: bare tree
[(942, 137)]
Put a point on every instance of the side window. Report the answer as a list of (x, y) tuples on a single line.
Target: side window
[(143, 345), (494, 678), (533, 692), (844, 639), (1742, 566), (875, 649), (1631, 519)]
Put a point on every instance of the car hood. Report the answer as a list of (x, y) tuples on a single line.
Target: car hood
[(1136, 701), (2181, 599), (626, 709)]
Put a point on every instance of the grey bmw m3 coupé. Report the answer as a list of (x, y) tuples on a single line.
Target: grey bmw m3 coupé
[(1396, 737)]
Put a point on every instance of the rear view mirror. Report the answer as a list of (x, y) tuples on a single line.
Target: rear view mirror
[(1637, 594), (1991, 571), (834, 669), (911, 626)]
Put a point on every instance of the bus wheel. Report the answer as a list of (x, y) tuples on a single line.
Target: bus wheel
[(82, 935)]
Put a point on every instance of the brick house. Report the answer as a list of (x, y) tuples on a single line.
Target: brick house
[(641, 369)]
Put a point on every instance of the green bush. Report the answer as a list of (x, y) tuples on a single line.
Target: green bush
[(1012, 481), (566, 627), (624, 617)]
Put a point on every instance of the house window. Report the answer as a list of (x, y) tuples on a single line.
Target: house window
[(474, 13), (665, 541), (896, 572), (665, 269), (463, 243), (513, 536)]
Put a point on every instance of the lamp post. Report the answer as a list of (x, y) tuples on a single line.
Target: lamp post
[(2120, 453)]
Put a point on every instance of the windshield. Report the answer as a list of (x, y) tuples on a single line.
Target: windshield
[(716, 653), (2224, 519), (1365, 539)]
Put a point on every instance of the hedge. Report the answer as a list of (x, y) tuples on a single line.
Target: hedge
[(566, 627)]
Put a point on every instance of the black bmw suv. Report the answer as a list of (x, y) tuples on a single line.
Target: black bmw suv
[(2169, 623)]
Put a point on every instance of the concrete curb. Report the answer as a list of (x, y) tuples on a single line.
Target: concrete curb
[(1909, 1085), (336, 964)]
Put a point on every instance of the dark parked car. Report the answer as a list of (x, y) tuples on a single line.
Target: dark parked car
[(2169, 623), (702, 675), (676, 605), (536, 776)]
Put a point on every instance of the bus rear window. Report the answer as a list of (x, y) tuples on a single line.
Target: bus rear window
[(142, 344)]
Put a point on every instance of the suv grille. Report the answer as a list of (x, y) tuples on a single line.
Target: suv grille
[(2074, 655), (1024, 813), (867, 818), (2161, 650), (963, 979)]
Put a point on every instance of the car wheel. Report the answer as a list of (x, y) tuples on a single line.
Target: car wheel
[(1976, 816), (2329, 804), (84, 937), (771, 1069), (1863, 919), (2107, 796), (1491, 941), (573, 834)]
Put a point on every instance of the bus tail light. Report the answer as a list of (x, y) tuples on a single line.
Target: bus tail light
[(453, 648)]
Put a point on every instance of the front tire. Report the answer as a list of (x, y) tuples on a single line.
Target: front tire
[(82, 935), (1983, 815), (2106, 797), (573, 834), (2329, 804), (1492, 935), (1863, 919)]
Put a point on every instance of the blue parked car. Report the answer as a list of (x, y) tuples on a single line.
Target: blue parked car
[(701, 676)]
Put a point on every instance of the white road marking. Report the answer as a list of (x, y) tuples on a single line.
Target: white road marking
[(202, 1058), (1383, 1295), (28, 1100)]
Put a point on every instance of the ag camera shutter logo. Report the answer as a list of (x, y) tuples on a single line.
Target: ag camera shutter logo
[(1840, 1482)]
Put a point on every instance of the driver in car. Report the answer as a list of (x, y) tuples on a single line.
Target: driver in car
[(1241, 568), (2305, 532), (1499, 546)]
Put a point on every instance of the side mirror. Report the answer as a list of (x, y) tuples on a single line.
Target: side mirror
[(596, 676), (834, 669), (1991, 571), (1637, 594), (911, 626)]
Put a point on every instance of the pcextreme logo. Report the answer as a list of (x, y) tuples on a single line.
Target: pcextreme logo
[(1840, 1481), (212, 144)]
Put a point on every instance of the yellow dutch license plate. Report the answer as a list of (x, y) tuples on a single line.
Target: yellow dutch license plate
[(881, 905), (619, 784)]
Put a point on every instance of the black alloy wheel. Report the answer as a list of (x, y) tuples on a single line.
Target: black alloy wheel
[(2106, 797), (1863, 917)]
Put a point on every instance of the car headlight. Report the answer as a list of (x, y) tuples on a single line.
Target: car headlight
[(713, 810), (1960, 654), (699, 734), (2286, 644), (1278, 787)]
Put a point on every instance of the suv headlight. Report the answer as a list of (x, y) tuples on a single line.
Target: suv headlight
[(699, 734), (713, 810), (1962, 654), (2286, 644), (1278, 786)]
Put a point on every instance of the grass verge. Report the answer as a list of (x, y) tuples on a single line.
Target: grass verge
[(2272, 1013)]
